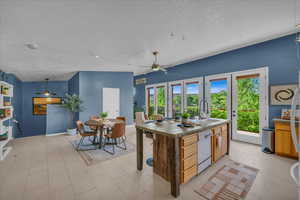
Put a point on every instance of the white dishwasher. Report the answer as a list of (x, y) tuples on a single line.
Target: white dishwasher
[(204, 150)]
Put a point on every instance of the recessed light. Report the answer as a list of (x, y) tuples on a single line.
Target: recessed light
[(97, 56)]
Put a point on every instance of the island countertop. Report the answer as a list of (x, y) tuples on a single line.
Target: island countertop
[(170, 128)]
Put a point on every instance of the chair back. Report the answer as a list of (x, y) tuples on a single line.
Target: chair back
[(139, 118), (93, 117), (80, 127), (122, 118), (118, 130)]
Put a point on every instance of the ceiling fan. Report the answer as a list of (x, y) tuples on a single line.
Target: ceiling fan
[(46, 92), (155, 66)]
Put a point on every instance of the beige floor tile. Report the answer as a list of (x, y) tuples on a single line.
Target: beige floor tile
[(49, 168)]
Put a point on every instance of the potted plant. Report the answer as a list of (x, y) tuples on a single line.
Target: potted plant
[(184, 117), (103, 115), (74, 105)]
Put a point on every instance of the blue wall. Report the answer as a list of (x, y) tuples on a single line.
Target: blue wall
[(90, 91), (36, 124), (279, 55), (58, 119), (73, 88)]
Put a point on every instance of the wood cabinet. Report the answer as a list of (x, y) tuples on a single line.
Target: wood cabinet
[(219, 142), (188, 157), (283, 140)]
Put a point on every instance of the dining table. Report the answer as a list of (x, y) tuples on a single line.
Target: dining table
[(102, 125)]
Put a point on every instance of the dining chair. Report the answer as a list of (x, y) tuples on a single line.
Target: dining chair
[(84, 134), (115, 137), (93, 118)]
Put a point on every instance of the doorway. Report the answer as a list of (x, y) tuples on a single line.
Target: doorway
[(111, 102), (249, 105)]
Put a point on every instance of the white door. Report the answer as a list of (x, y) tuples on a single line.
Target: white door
[(111, 102), (218, 95), (249, 104)]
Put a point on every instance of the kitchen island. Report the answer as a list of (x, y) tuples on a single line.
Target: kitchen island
[(175, 149)]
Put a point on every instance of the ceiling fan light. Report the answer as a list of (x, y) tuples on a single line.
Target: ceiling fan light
[(46, 93)]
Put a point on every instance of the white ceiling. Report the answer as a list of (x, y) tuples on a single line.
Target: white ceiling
[(71, 33)]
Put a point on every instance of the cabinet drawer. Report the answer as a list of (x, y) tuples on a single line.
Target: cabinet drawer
[(188, 151), (189, 162), (186, 175), (188, 140)]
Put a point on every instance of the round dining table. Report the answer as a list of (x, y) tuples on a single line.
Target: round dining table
[(101, 125)]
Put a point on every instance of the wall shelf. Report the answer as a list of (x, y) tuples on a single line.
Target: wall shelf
[(6, 108)]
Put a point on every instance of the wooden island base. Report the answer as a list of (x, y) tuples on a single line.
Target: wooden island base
[(175, 156)]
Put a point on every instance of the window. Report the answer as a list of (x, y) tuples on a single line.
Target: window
[(156, 100)]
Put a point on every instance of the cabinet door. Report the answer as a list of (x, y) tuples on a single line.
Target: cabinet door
[(216, 145), (224, 140), (283, 142)]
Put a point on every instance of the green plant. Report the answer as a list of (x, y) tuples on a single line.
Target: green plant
[(185, 115), (103, 115), (74, 105)]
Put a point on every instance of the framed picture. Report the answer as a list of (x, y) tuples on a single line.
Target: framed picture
[(282, 94), (39, 104)]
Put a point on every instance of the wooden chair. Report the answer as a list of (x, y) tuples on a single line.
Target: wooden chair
[(115, 137), (122, 119), (83, 133)]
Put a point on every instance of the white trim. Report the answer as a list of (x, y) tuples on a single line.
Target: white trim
[(56, 134)]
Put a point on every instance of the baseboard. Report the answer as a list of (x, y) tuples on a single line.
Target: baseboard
[(55, 134)]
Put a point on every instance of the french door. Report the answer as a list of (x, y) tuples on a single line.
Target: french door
[(185, 96), (156, 100), (249, 104), (241, 97)]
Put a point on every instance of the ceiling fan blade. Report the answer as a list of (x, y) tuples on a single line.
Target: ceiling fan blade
[(164, 70), (52, 93), (38, 93)]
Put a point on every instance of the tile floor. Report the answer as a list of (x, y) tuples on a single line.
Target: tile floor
[(44, 168)]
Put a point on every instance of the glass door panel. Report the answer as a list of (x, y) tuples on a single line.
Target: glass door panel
[(193, 94), (218, 95), (161, 100), (175, 99), (150, 98)]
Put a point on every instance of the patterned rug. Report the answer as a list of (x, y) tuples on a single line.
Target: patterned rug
[(232, 182), (92, 156)]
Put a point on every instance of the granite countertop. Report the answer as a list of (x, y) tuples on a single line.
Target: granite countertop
[(170, 128)]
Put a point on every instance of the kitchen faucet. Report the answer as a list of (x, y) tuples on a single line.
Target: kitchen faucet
[(205, 113)]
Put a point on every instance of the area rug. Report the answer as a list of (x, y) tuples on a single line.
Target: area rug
[(232, 182), (92, 156)]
